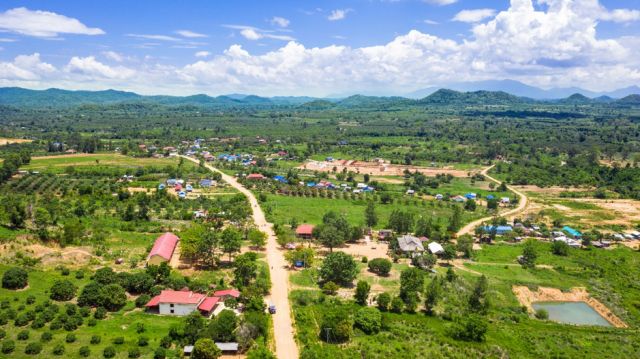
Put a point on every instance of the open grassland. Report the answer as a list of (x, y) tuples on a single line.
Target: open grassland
[(104, 159)]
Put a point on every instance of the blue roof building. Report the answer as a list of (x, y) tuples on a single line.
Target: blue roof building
[(572, 231), (280, 178), (311, 185), (470, 196), (491, 196), (500, 230), (205, 183)]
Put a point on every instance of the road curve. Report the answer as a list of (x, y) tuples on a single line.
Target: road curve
[(286, 347), (523, 203)]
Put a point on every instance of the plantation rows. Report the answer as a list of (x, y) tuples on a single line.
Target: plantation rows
[(52, 183)]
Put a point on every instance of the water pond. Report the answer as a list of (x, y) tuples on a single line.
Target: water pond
[(572, 312)]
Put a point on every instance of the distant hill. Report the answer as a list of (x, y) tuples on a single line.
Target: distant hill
[(604, 99), (317, 105), (577, 99), (451, 97), (631, 100), (56, 98), (364, 101)]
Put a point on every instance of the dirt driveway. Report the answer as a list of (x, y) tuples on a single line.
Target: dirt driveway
[(286, 347)]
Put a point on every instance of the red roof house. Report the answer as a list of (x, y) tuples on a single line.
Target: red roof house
[(226, 294), (208, 304), (163, 249), (255, 176), (282, 153), (304, 231), (182, 303)]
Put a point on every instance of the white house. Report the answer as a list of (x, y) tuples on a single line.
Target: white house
[(181, 303)]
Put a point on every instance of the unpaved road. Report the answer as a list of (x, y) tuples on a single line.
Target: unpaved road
[(523, 203), (286, 347)]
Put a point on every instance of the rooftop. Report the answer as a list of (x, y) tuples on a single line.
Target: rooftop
[(165, 244)]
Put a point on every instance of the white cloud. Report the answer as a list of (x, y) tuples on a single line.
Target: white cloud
[(251, 34), (338, 14), (7, 40), (430, 22), (203, 54), (282, 22), (43, 23), (187, 33), (557, 46), (474, 15), (339, 37), (111, 55), (155, 37), (440, 2)]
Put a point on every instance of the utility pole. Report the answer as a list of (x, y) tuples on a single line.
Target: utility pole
[(327, 329)]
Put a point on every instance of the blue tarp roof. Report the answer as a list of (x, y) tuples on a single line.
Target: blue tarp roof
[(470, 195), (205, 182), (499, 228), (491, 196), (572, 231), (311, 184)]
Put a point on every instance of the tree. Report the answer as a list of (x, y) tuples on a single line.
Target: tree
[(542, 314), (224, 326), (63, 290), (300, 254), (158, 273), (206, 349), (384, 299), (530, 252), (401, 222), (338, 320), (411, 281), (105, 275), (380, 265), (396, 305), (370, 216), (331, 237), (231, 241), (368, 319), (472, 328), (260, 353), (362, 292), (425, 261), (502, 187), (560, 248), (338, 267), (451, 275), (432, 295), (90, 294), (258, 238), (450, 252), (15, 278), (330, 287), (492, 203), (15, 211), (470, 205), (245, 269), (478, 301), (456, 219), (112, 297)]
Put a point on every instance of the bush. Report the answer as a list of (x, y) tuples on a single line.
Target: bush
[(56, 324), (65, 271), (396, 305), (380, 265), (109, 352), (8, 346), (118, 340), (364, 260), (96, 339), (338, 319), (79, 274), (23, 335), (30, 300), (63, 290), (384, 299), (70, 308), (471, 328), (3, 333), (85, 311), (165, 342), (31, 315), (338, 267), (560, 248), (206, 349), (100, 313), (33, 348), (70, 326), (71, 338), (134, 353), (542, 314), (58, 349), (368, 319), (5, 304), (160, 353), (92, 322), (85, 351), (330, 287), (46, 337), (142, 300), (143, 341), (15, 278), (38, 323), (22, 320)]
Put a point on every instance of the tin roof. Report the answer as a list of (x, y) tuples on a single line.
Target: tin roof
[(164, 247)]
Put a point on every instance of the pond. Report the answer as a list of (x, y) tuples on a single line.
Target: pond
[(572, 312)]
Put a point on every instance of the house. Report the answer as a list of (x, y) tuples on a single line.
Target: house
[(205, 183), (385, 233), (255, 176), (499, 230), (171, 182), (361, 186), (209, 158), (226, 294), (572, 231), (411, 191), (557, 234), (458, 199), (435, 248), (142, 146), (280, 179), (282, 153), (504, 200), (162, 249), (181, 303), (228, 348), (409, 243), (439, 197), (22, 172), (178, 187), (470, 196), (329, 159), (491, 196), (304, 231), (71, 151), (168, 148)]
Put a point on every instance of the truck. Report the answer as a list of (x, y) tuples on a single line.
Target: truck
[(271, 306)]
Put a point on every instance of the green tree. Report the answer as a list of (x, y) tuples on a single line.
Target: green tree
[(258, 238), (15, 211), (15, 278), (478, 301), (450, 252), (129, 213), (362, 292), (383, 300), (432, 295), (370, 215), (456, 219), (338, 267), (63, 290), (338, 320), (530, 251), (260, 353), (380, 265), (330, 287), (368, 319), (331, 237), (225, 325), (112, 297), (231, 241), (396, 305), (206, 349), (470, 205), (560, 248), (411, 281), (451, 275), (245, 269)]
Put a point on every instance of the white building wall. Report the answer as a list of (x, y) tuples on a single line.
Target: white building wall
[(178, 309)]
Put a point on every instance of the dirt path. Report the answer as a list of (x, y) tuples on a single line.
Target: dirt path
[(286, 347), (523, 203)]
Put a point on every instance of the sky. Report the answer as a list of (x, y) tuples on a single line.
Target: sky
[(316, 48)]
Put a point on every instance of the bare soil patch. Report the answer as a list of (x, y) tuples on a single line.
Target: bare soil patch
[(376, 169), (5, 141)]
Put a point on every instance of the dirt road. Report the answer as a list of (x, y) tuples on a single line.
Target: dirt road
[(523, 203), (286, 347)]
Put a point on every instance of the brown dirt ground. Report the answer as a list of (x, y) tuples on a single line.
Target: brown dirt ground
[(4, 141), (380, 170)]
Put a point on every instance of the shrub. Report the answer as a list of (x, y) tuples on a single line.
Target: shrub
[(118, 340), (30, 300), (471, 328), (5, 304), (23, 335), (134, 353), (71, 338), (65, 271), (92, 322), (96, 339), (3, 333), (31, 315), (79, 274), (71, 308), (63, 290), (384, 299), (100, 313), (165, 342), (22, 320), (140, 328), (330, 287), (143, 341), (368, 319), (21, 307), (15, 278), (55, 324), (142, 300), (160, 353), (85, 351), (33, 348), (46, 337), (70, 326), (560, 248), (542, 314), (58, 349), (38, 323), (85, 311), (109, 352), (40, 308), (364, 260), (380, 265), (11, 313), (8, 346), (206, 349), (396, 305)]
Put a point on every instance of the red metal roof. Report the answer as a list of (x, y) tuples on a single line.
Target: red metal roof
[(255, 175), (208, 303), (154, 302), (231, 292), (165, 244), (305, 229), (179, 297)]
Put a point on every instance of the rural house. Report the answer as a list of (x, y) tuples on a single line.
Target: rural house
[(163, 249), (226, 294), (304, 231), (181, 303), (409, 243)]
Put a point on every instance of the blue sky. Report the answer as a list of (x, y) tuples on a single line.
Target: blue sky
[(316, 47)]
